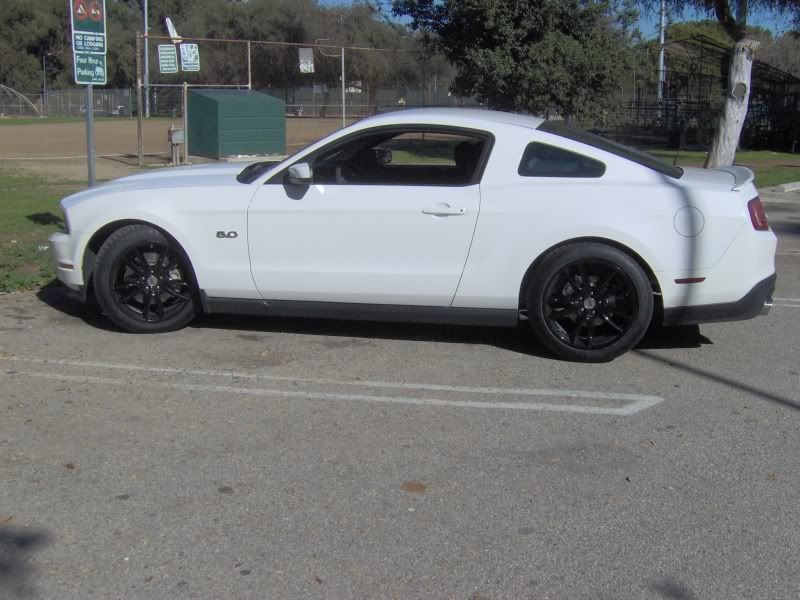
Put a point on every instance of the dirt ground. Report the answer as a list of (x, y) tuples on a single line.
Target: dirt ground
[(59, 149)]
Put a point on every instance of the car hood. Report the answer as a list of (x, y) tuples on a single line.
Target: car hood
[(203, 176)]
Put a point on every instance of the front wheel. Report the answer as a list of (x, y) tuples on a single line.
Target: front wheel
[(144, 282), (589, 302)]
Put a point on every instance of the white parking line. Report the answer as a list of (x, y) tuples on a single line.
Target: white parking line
[(634, 402), (787, 302)]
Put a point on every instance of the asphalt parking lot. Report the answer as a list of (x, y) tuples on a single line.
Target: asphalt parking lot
[(253, 458)]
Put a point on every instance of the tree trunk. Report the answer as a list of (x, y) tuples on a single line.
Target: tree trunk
[(729, 127)]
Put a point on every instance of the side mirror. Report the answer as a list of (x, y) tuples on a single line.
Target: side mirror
[(301, 174)]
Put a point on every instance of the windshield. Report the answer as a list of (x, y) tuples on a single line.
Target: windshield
[(255, 170), (595, 141)]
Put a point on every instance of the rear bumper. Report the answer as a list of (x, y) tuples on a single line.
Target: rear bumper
[(756, 302)]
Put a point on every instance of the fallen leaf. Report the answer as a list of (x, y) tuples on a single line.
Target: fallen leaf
[(414, 486)]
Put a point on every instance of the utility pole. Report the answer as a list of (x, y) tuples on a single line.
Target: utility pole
[(344, 100), (661, 31), (146, 65), (44, 83)]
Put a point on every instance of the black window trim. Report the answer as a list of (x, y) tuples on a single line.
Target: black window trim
[(560, 148), (279, 178), (560, 129)]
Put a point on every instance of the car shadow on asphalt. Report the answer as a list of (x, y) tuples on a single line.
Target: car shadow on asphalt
[(786, 228), (16, 571), (55, 296), (514, 339), (507, 338)]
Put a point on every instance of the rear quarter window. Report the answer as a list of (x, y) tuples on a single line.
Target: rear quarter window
[(544, 160), (595, 141)]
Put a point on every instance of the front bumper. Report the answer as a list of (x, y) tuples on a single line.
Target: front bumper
[(757, 301), (68, 268)]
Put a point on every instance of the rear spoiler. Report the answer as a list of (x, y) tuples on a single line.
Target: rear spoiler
[(742, 175)]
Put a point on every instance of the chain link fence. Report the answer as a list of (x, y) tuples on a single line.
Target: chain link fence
[(694, 91), (324, 87), (68, 103)]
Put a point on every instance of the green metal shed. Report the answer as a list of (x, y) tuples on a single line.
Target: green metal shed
[(235, 122)]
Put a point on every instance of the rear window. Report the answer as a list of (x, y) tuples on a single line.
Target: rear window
[(595, 141), (543, 160)]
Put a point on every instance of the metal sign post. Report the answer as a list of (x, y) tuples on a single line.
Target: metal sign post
[(90, 134), (146, 62), (89, 44)]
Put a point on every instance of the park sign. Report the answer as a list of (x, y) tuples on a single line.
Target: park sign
[(167, 58), (88, 20), (190, 57), (90, 69)]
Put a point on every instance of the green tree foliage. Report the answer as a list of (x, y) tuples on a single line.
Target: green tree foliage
[(530, 55), (31, 29), (782, 52), (712, 30)]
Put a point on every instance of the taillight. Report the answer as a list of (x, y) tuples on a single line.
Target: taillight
[(757, 214)]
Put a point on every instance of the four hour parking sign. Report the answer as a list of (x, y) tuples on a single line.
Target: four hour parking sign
[(88, 19)]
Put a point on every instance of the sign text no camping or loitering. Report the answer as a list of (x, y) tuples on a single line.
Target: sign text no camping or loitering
[(88, 20)]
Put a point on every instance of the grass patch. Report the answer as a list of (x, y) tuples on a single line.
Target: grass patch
[(771, 168), (29, 213)]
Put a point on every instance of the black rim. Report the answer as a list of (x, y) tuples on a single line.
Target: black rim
[(151, 282), (590, 304)]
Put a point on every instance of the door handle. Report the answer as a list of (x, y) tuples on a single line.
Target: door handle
[(444, 210)]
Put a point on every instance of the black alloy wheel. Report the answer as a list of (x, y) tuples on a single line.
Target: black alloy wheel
[(144, 282), (590, 302)]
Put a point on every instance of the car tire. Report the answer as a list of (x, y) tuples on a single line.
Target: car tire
[(589, 302), (144, 282)]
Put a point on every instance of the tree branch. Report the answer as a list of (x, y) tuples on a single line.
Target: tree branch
[(741, 13), (731, 26)]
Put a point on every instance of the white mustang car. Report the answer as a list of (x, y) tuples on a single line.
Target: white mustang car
[(432, 215)]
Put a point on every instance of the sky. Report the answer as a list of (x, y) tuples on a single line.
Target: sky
[(648, 23)]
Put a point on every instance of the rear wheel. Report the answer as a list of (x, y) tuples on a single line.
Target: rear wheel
[(589, 302), (144, 282)]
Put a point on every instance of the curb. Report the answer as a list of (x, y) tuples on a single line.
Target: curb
[(785, 196), (793, 186)]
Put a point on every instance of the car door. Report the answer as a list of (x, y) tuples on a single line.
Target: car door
[(388, 218)]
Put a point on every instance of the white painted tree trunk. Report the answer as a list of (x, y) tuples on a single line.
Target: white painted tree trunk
[(726, 137)]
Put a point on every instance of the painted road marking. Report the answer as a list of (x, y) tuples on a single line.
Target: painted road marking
[(634, 402), (787, 302)]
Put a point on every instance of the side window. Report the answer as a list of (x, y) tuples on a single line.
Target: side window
[(402, 158), (543, 160)]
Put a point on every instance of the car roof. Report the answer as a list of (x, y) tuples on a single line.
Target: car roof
[(457, 117)]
